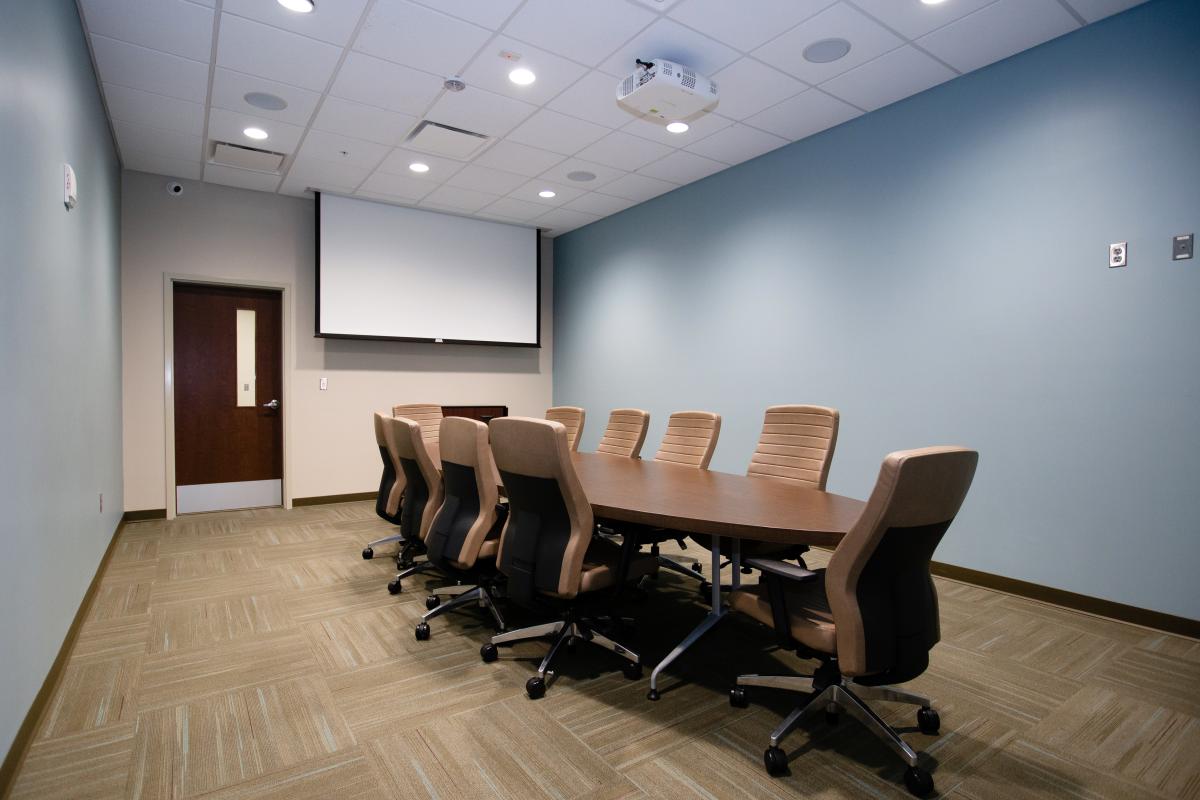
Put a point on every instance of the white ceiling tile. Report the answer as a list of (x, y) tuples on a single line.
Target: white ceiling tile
[(338, 149), (583, 30), (479, 111), (258, 49), (230, 88), (511, 208), (1092, 10), (698, 128), (593, 98), (556, 132), (748, 86), (457, 198), (998, 31), (562, 194), (397, 186), (329, 21), (657, 5), (368, 122), (326, 176), (638, 187), (604, 174), (670, 40), (736, 144), (624, 151), (171, 167), (159, 142), (486, 179), (519, 158), (891, 77), (868, 39), (155, 110), (917, 19), (488, 13), (241, 178), (150, 70), (682, 167), (490, 71), (599, 204), (419, 37), (747, 23), (228, 126), (376, 82), (439, 168), (171, 26), (803, 115), (209, 3), (561, 220)]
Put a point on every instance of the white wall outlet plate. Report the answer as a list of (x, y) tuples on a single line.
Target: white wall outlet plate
[(324, 384), (1118, 254)]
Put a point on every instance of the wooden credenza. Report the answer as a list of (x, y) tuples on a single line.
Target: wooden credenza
[(484, 414)]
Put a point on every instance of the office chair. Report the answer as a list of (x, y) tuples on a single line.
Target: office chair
[(871, 617), (547, 551), (428, 416), (572, 418), (625, 434), (464, 536), (422, 493), (391, 488)]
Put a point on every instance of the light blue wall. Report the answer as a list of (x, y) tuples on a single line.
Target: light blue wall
[(938, 271), (60, 341)]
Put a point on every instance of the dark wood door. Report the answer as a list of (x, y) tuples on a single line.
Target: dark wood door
[(216, 440)]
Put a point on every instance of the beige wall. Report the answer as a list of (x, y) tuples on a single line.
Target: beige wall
[(220, 232)]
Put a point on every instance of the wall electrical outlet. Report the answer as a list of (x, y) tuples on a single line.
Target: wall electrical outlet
[(324, 384), (1181, 247), (1118, 254)]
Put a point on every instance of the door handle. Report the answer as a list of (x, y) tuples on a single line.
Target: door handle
[(273, 404)]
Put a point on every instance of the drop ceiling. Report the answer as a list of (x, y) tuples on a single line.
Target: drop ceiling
[(359, 76)]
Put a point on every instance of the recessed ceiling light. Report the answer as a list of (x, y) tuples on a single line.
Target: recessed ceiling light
[(522, 77), (255, 133), (826, 50), (546, 193), (299, 6), (417, 166), (581, 175), (677, 127), (266, 101)]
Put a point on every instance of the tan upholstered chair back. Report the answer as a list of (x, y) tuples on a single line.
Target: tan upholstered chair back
[(626, 433), (423, 493), (880, 592), (470, 491), (572, 419), (796, 444), (429, 417), (691, 439), (550, 520), (391, 485)]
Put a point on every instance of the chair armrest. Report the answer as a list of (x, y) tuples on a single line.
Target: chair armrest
[(791, 572)]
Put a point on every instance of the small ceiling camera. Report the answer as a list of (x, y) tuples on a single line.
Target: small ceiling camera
[(174, 188)]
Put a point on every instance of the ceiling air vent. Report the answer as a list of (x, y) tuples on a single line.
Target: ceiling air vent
[(235, 155), (443, 140)]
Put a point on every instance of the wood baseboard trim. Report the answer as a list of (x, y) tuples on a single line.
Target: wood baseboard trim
[(24, 738), (144, 514), (1145, 617), (333, 498)]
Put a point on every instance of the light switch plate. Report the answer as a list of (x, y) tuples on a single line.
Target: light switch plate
[(1118, 254), (1181, 247), (324, 384)]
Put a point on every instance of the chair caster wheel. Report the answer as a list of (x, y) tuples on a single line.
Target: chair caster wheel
[(737, 697), (918, 782), (705, 590), (928, 721), (696, 568), (776, 761), (432, 602), (535, 688), (422, 631), (747, 570), (368, 554), (394, 586), (632, 671), (489, 653), (832, 717), (653, 695)]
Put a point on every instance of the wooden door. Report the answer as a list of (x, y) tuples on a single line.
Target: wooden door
[(228, 397)]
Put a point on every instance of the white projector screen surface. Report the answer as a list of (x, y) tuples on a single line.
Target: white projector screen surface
[(387, 272)]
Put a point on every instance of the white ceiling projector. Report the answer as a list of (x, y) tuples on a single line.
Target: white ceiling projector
[(664, 91)]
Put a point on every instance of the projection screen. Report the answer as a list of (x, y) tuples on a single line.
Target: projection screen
[(387, 272)]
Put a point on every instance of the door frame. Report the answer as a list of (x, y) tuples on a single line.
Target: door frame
[(285, 290)]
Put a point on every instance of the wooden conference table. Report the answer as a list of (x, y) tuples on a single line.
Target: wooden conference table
[(737, 507)]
